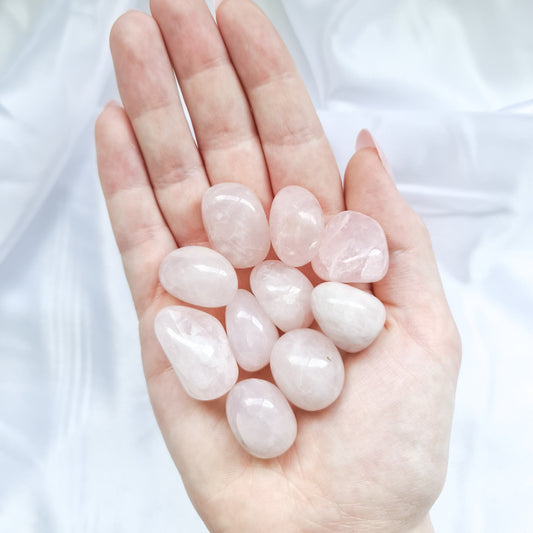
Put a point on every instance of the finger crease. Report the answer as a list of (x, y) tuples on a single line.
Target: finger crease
[(226, 140), (212, 65), (287, 76), (178, 174), (154, 107), (131, 242), (295, 137)]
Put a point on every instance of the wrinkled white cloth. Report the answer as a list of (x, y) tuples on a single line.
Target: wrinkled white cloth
[(447, 89)]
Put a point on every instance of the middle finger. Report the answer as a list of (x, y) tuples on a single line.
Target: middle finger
[(223, 124)]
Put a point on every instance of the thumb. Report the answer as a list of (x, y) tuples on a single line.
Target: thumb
[(412, 287)]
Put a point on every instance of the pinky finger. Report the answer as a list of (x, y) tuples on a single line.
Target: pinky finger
[(141, 232)]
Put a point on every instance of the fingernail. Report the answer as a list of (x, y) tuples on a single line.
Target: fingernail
[(216, 3), (366, 140), (113, 103)]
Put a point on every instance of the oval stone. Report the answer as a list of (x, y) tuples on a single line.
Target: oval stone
[(350, 317), (296, 225), (353, 249), (236, 224), (251, 333), (199, 276), (308, 369), (197, 348), (284, 293), (260, 418)]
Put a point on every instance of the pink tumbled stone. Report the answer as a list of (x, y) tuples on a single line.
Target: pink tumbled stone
[(296, 225), (260, 418), (198, 275), (308, 369), (284, 293), (236, 224), (353, 249), (197, 348), (251, 333), (350, 317)]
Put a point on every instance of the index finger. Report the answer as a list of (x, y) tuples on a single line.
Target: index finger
[(296, 149)]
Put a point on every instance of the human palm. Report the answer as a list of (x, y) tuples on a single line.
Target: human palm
[(376, 459)]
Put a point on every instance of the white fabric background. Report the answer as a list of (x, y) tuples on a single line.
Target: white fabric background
[(447, 88)]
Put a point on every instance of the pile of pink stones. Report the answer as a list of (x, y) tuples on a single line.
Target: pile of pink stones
[(305, 363)]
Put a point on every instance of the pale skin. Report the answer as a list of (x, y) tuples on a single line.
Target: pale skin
[(376, 459)]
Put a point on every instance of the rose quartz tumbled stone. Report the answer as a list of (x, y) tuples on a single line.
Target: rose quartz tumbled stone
[(296, 225), (308, 369), (251, 333), (284, 293), (260, 418), (353, 249), (197, 348), (350, 317), (198, 275), (236, 224)]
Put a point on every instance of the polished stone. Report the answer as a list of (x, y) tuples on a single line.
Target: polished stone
[(308, 369), (236, 224), (350, 317), (251, 333), (284, 293), (197, 348), (260, 418), (198, 275), (296, 225), (353, 249)]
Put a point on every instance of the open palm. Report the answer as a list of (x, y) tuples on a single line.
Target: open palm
[(376, 459)]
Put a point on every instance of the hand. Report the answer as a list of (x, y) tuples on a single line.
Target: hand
[(376, 459)]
